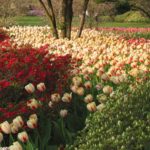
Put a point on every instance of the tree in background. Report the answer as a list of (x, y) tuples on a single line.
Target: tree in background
[(142, 5), (126, 5), (66, 15)]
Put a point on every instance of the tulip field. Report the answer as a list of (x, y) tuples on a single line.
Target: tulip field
[(88, 93)]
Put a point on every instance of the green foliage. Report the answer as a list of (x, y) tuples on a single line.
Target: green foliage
[(105, 18), (131, 16), (31, 20), (124, 123)]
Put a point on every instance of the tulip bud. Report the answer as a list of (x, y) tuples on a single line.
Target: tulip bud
[(23, 136), (88, 98), (102, 98), (63, 113), (107, 89), (30, 88), (41, 87), (67, 97), (5, 127), (91, 107), (18, 121), (1, 137), (80, 91), (55, 97), (32, 103), (16, 146)]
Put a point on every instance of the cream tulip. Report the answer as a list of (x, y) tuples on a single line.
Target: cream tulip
[(41, 87), (63, 113), (91, 107), (23, 136), (14, 128), (67, 97), (55, 97), (88, 85), (107, 89), (18, 121), (30, 88), (80, 91), (32, 123), (88, 98), (5, 127), (16, 146), (32, 103)]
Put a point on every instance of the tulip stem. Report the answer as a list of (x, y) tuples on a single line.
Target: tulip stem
[(36, 130), (11, 138)]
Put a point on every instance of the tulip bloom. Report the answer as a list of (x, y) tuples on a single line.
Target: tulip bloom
[(18, 121), (32, 123), (33, 116), (23, 136), (91, 107), (30, 88), (41, 87), (16, 146), (88, 98), (14, 128), (76, 80), (80, 91), (5, 127), (88, 85), (55, 97), (33, 103), (107, 89), (63, 113), (67, 97)]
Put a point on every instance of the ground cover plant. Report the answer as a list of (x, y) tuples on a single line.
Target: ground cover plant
[(121, 124), (50, 86)]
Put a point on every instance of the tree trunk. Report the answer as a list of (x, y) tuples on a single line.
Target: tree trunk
[(63, 18), (85, 5), (69, 16), (50, 16), (53, 18)]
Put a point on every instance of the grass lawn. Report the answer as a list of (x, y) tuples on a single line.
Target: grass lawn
[(30, 20), (124, 24), (41, 21)]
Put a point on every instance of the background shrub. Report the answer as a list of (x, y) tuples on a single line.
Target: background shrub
[(131, 16)]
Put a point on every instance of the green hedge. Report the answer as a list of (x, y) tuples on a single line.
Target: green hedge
[(131, 16), (124, 123)]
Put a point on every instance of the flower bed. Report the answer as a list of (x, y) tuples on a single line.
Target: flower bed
[(53, 86)]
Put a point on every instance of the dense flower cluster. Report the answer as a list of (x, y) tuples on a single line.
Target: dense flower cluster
[(20, 66)]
